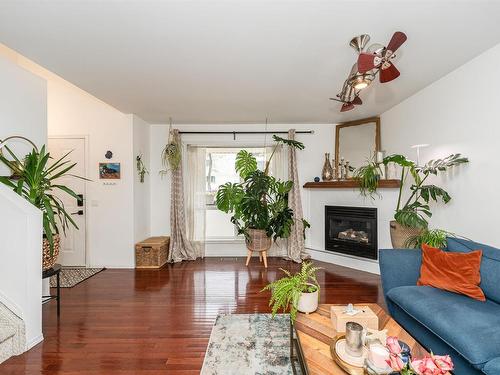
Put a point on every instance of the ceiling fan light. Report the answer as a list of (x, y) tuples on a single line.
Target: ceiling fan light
[(361, 85)]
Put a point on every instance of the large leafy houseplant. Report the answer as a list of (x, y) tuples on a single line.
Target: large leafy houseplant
[(287, 291), (259, 201), (35, 179), (415, 211)]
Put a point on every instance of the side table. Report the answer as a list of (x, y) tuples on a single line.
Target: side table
[(56, 270)]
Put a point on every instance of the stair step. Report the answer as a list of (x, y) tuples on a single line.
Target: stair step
[(12, 334), (7, 330)]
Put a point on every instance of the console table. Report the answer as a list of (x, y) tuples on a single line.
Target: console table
[(55, 270)]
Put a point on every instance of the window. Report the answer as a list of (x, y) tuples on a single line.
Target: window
[(219, 170)]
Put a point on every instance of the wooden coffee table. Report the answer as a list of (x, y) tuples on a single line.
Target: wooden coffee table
[(315, 332)]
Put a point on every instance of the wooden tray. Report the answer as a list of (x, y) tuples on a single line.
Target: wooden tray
[(348, 368)]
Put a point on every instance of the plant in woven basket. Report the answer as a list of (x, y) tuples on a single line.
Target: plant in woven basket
[(286, 292), (432, 237), (36, 181), (416, 211), (260, 201)]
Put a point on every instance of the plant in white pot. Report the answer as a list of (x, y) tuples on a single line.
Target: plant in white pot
[(259, 203), (298, 292)]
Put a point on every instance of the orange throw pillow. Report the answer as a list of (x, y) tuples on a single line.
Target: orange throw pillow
[(454, 272)]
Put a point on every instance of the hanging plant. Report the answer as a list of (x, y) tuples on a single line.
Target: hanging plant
[(171, 154), (141, 168)]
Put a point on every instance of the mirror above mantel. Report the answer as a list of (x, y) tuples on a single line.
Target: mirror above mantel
[(357, 141)]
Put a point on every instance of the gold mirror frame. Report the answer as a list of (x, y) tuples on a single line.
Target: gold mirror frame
[(361, 122)]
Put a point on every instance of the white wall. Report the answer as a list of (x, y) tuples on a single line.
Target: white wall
[(142, 223), (23, 106), (23, 111), (72, 111), (458, 113)]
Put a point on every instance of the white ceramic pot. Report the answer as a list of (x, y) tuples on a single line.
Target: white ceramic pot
[(308, 302)]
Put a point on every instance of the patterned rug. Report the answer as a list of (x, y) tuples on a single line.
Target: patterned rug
[(73, 276), (248, 344)]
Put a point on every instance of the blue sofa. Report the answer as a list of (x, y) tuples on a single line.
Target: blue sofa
[(445, 322)]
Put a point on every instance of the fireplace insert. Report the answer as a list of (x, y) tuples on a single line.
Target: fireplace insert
[(351, 230)]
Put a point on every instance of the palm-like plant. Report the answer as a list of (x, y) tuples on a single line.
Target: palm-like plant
[(432, 237), (260, 201), (416, 211), (285, 292), (36, 180)]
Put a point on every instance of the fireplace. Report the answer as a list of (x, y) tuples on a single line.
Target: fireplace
[(351, 230)]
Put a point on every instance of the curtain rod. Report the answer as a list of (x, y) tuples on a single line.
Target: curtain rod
[(247, 132)]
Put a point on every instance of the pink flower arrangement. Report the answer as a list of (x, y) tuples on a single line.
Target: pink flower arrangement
[(429, 365)]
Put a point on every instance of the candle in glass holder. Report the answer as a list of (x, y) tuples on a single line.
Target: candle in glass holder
[(378, 355)]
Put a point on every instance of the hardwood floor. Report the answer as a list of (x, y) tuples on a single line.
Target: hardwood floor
[(159, 321)]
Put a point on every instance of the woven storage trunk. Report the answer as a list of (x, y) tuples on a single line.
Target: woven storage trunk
[(258, 240), (152, 252)]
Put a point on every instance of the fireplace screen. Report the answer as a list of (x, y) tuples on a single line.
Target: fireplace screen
[(351, 230)]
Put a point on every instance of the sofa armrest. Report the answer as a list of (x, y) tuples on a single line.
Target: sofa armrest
[(399, 267)]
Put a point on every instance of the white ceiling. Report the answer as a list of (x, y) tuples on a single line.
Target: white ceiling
[(242, 60)]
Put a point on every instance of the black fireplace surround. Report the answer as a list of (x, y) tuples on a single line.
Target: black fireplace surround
[(351, 230)]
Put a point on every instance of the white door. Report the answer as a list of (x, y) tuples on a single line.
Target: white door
[(72, 250)]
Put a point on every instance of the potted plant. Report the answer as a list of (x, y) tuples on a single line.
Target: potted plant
[(35, 179), (368, 177), (432, 237), (299, 292), (411, 216), (259, 203)]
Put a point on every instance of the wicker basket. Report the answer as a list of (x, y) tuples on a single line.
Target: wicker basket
[(258, 240), (152, 252), (48, 260), (401, 234)]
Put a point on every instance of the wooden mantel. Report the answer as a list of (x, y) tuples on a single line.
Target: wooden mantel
[(349, 184)]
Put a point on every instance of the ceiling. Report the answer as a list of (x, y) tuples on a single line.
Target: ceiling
[(241, 61)]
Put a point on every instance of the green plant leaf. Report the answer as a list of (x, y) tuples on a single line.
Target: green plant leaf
[(289, 142), (245, 163), (229, 196)]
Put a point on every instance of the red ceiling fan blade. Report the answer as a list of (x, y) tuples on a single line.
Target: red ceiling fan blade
[(346, 107), (388, 74), (366, 62), (357, 100), (396, 41)]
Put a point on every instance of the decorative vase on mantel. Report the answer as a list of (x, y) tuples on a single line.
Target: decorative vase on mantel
[(327, 173)]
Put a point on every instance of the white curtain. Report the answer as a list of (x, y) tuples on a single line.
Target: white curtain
[(278, 169), (296, 243), (180, 246), (196, 197)]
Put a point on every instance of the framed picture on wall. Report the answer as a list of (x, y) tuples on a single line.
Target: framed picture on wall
[(109, 171)]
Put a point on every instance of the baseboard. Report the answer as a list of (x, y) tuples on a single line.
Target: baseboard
[(34, 341), (356, 263)]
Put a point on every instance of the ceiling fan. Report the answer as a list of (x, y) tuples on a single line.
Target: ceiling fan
[(376, 59)]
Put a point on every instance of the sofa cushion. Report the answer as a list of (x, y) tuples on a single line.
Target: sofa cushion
[(492, 367), (469, 326), (490, 265), (452, 271)]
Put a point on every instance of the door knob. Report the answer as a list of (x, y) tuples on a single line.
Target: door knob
[(79, 212)]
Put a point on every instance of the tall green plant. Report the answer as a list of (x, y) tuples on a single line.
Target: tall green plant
[(260, 201), (415, 211), (36, 181), (285, 292)]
